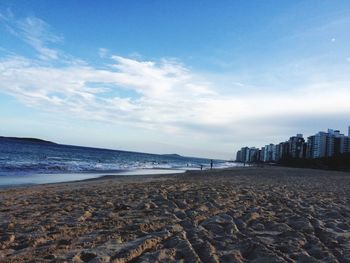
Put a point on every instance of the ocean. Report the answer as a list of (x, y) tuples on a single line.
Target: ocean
[(35, 162)]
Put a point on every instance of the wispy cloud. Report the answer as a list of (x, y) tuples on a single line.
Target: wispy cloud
[(164, 91), (35, 32), (165, 94), (103, 52)]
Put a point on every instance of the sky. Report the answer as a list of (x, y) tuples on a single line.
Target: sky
[(197, 78)]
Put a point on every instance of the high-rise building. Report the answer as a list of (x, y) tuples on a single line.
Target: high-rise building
[(239, 156), (280, 150), (335, 143), (310, 145), (262, 154), (253, 155), (296, 146), (244, 153), (345, 145), (304, 149), (320, 145), (331, 135), (285, 151), (268, 153), (276, 152), (327, 144)]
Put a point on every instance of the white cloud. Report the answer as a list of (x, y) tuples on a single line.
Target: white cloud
[(103, 52), (35, 32), (164, 95), (163, 89)]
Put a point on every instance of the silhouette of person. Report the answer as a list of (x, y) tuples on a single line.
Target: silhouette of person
[(201, 167), (211, 164)]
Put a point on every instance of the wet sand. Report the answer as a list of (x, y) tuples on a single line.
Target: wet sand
[(269, 214)]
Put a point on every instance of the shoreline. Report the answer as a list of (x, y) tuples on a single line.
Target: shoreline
[(115, 177), (242, 215), (43, 179), (91, 176)]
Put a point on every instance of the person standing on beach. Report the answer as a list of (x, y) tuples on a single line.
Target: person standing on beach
[(211, 164)]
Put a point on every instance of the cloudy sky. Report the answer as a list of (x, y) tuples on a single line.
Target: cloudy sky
[(198, 78)]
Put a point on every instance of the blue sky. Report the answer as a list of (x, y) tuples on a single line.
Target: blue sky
[(198, 78)]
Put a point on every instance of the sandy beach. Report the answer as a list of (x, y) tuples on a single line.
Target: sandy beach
[(268, 214)]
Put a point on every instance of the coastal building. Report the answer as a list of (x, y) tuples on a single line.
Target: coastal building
[(296, 146), (280, 150), (253, 155), (245, 154), (322, 144), (266, 153), (345, 145), (269, 151), (276, 153), (262, 154), (239, 156), (284, 150), (327, 144), (333, 142), (342, 144), (310, 146)]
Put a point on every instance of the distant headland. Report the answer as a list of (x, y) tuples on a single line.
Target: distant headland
[(173, 155), (32, 140)]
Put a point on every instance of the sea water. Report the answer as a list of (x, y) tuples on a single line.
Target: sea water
[(26, 162)]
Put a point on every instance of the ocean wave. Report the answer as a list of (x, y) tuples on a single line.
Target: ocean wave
[(75, 166), (32, 159)]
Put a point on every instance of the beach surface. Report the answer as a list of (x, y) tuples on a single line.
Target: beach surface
[(266, 214)]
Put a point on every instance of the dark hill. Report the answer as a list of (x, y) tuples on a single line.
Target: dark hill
[(31, 140), (173, 155)]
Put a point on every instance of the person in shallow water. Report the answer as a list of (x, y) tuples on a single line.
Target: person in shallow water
[(211, 164)]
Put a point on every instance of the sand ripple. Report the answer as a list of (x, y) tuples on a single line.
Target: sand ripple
[(242, 215)]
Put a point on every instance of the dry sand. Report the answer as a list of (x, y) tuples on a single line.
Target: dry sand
[(244, 215)]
